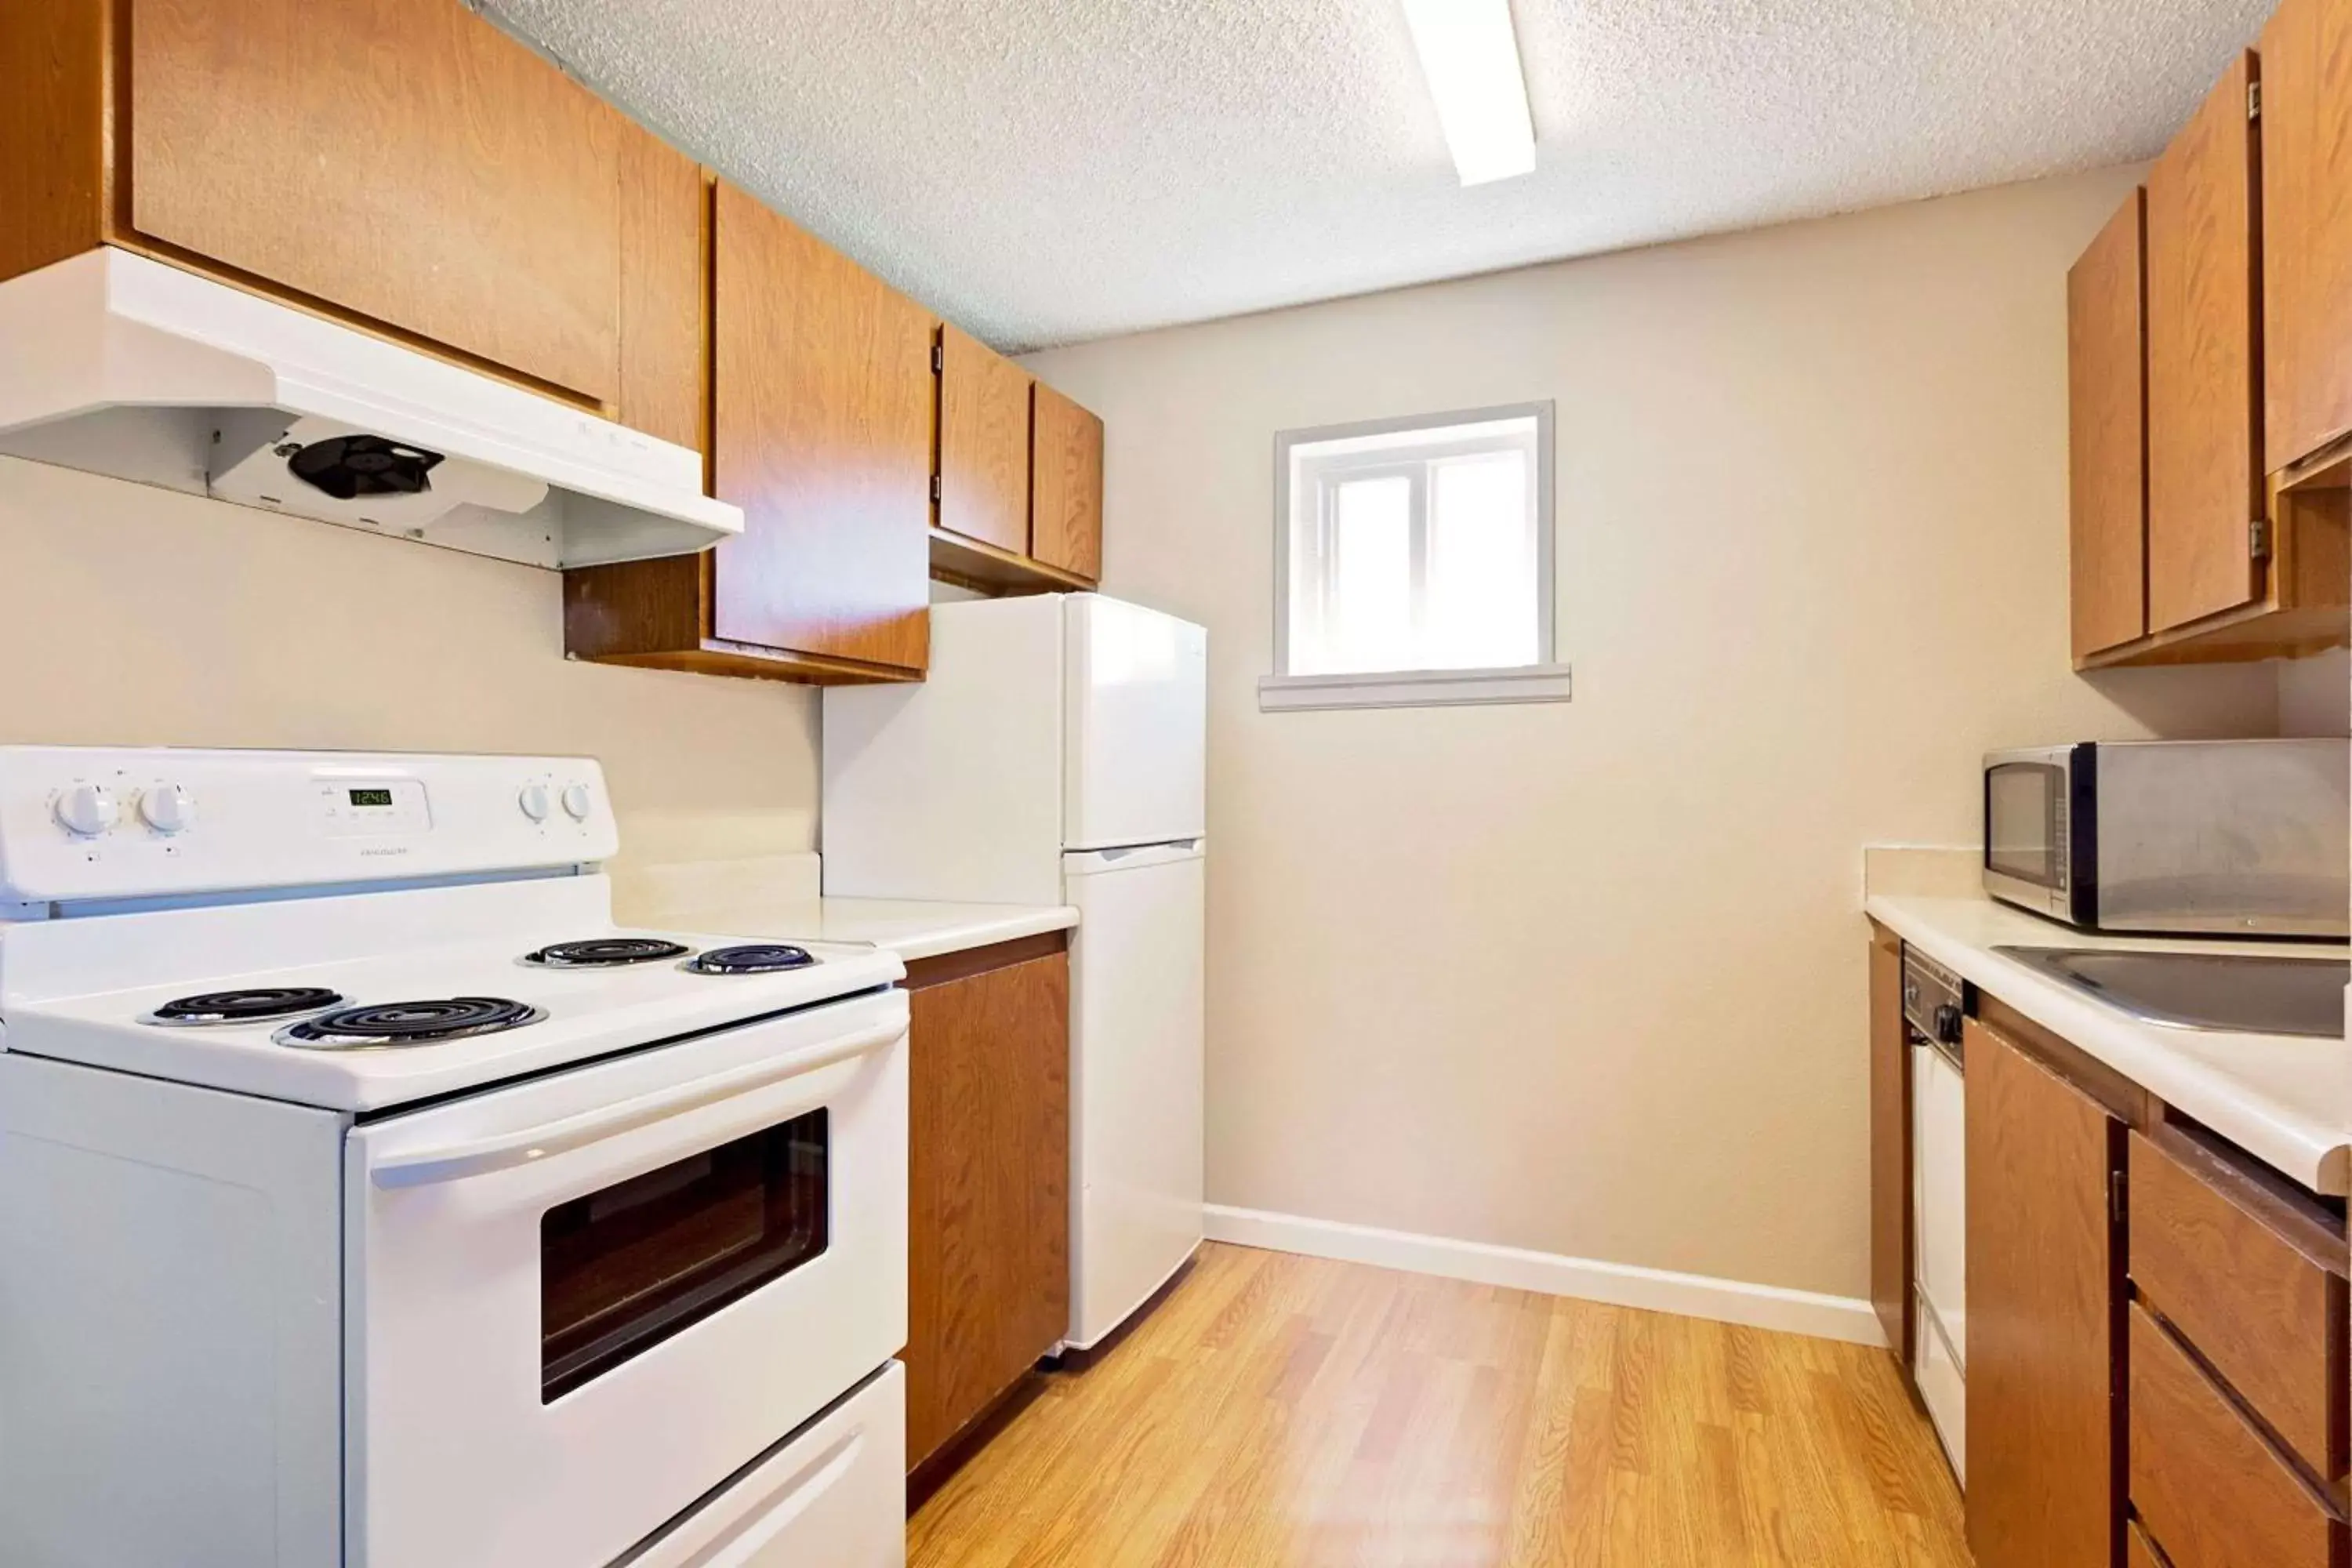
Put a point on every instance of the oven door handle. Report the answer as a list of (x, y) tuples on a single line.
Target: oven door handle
[(456, 1162)]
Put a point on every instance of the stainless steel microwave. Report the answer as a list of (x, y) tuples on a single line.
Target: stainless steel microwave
[(2203, 837)]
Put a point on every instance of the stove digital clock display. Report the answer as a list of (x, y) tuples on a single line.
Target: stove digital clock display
[(371, 797)]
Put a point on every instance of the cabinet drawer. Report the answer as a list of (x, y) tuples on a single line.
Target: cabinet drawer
[(2204, 1481), (2267, 1317)]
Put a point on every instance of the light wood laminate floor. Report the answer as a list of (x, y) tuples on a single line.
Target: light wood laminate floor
[(1284, 1412)]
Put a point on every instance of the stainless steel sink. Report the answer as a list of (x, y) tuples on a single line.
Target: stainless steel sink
[(2254, 993)]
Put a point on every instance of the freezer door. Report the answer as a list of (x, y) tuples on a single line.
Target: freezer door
[(1136, 726), (1136, 1039)]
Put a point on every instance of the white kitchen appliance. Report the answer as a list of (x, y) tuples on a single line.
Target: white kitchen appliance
[(1056, 755), (1933, 1003), (366, 1197), (124, 366)]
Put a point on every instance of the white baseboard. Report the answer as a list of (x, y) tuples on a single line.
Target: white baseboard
[(1845, 1318)]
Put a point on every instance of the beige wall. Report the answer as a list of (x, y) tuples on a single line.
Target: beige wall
[(131, 615), (1589, 978)]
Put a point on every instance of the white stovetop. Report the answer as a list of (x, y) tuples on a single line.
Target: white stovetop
[(78, 989), (2286, 1100)]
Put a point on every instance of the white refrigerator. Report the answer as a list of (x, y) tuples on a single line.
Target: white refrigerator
[(1055, 754)]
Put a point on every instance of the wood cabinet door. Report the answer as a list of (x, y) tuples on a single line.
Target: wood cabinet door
[(2106, 357), (664, 380), (2204, 384), (1890, 1148), (1066, 510), (822, 434), (2044, 1275), (2306, 142), (402, 160), (988, 1259), (984, 443)]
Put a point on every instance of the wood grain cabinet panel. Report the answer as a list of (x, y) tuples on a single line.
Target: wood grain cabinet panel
[(1066, 506), (401, 159), (2107, 356), (988, 1248), (665, 378), (2203, 1481), (822, 436), (2137, 1552), (1890, 1148), (2045, 1279), (2204, 436), (2269, 1318), (2307, 156), (53, 138), (984, 443), (820, 405)]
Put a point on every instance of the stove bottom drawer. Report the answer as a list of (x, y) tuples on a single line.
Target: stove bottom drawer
[(832, 1493)]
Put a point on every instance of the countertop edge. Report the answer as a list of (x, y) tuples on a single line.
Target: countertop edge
[(2309, 1151), (963, 935)]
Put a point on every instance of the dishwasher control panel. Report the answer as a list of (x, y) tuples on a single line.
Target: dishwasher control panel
[(1933, 1002)]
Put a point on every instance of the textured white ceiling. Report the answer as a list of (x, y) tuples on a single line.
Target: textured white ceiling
[(1042, 173)]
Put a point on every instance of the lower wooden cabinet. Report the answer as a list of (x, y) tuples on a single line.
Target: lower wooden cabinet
[(1890, 1147), (989, 1212), (2045, 1273), (2205, 1485)]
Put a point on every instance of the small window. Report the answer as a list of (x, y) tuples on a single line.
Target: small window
[(1415, 563)]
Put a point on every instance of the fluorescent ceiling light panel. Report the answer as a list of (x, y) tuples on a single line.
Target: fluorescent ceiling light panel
[(1471, 58)]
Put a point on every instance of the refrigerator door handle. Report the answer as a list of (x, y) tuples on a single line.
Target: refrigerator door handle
[(1079, 862)]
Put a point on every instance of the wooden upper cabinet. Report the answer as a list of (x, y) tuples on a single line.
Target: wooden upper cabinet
[(2107, 398), (822, 418), (399, 159), (2204, 378), (984, 443), (1066, 489), (665, 374), (2306, 152), (821, 406), (2044, 1275)]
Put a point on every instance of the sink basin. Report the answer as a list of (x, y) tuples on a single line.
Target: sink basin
[(2254, 993)]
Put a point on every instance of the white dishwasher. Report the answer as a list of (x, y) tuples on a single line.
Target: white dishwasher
[(1932, 1010)]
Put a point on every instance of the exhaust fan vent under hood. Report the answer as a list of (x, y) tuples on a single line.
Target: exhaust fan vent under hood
[(121, 365)]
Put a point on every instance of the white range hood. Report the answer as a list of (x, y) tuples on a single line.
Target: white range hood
[(121, 365)]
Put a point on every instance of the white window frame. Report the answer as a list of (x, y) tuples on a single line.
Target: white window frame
[(1545, 680)]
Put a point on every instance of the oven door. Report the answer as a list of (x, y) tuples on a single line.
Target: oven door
[(2026, 799), (577, 1304)]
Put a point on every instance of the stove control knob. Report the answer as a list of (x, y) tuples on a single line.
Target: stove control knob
[(577, 802), (88, 810), (168, 808), (534, 801)]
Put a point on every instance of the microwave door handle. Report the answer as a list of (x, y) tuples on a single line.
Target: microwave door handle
[(455, 1161)]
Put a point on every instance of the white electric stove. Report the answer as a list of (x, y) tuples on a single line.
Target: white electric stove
[(367, 1197)]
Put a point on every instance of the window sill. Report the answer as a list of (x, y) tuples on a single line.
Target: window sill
[(1414, 688)]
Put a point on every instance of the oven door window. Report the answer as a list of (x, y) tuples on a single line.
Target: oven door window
[(2021, 814), (624, 1268)]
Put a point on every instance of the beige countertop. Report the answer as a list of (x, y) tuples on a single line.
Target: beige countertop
[(2284, 1098), (775, 898)]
